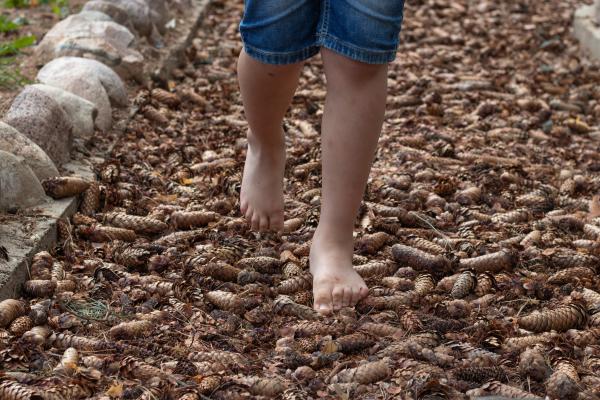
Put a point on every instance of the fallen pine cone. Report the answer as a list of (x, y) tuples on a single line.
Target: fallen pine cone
[(166, 98), (40, 287), (135, 223), (464, 285), (264, 264), (131, 330), (365, 374), (226, 301), (99, 233), (190, 219), (285, 305), (154, 115), (11, 309), (295, 284), (16, 391), (564, 381), (421, 261), (375, 268), (90, 201), (372, 243), (21, 325), (494, 262), (348, 344), (64, 186), (559, 319)]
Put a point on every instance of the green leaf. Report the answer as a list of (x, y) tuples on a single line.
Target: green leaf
[(11, 48)]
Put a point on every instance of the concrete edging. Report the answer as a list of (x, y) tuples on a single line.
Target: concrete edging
[(586, 30), (34, 229)]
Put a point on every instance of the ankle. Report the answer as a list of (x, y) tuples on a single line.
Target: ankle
[(265, 142), (333, 238)]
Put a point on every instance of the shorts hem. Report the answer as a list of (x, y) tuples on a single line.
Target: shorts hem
[(357, 53), (280, 58)]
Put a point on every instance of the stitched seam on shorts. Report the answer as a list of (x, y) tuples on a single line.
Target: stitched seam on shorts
[(278, 53), (353, 47), (325, 18)]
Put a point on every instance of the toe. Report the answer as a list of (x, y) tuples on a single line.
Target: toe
[(338, 297), (248, 215), (322, 300), (263, 225), (255, 222), (355, 296), (363, 292), (276, 223), (324, 309), (347, 299)]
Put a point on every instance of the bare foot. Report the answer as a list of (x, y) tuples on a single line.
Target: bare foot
[(335, 282), (261, 197)]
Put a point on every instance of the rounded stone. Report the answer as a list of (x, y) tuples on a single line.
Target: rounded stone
[(15, 142), (40, 118), (19, 187), (90, 80), (80, 111), (139, 14), (116, 13), (64, 66), (95, 35)]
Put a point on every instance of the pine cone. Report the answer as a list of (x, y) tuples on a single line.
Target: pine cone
[(425, 245), (167, 98), (90, 202), (365, 374), (154, 115), (372, 243), (284, 304), (486, 283), (381, 329), (16, 391), (295, 284), (135, 223), (220, 270), (190, 219), (375, 268), (11, 309), (564, 381), (348, 344), (20, 325), (64, 186), (226, 301), (291, 269), (424, 284), (131, 330), (131, 257), (292, 225), (39, 288), (464, 285), (559, 319), (420, 261), (266, 265), (494, 262), (574, 274)]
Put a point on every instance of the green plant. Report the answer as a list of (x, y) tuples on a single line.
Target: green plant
[(10, 75), (14, 46), (17, 3), (7, 25)]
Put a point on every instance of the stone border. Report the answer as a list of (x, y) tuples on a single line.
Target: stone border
[(34, 229), (586, 29)]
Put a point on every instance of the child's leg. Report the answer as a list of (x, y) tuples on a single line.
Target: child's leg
[(352, 120), (267, 91)]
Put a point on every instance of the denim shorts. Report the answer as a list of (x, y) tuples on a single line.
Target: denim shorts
[(290, 31)]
